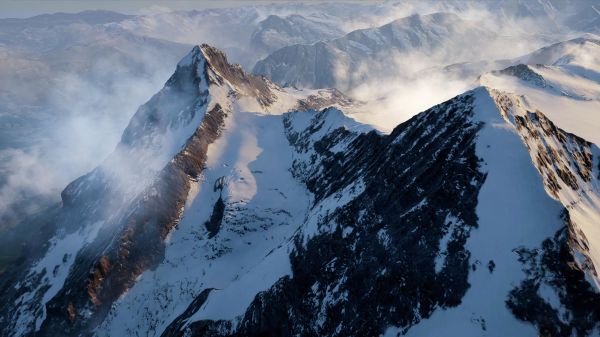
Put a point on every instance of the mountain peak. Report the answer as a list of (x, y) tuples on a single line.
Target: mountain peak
[(211, 63)]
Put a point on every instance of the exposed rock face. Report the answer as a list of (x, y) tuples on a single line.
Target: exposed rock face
[(523, 72), (558, 294), (572, 155), (389, 223), (551, 268), (216, 218), (140, 245), (327, 97), (175, 327), (249, 85), (132, 239)]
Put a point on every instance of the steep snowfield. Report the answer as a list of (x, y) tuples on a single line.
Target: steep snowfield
[(264, 205)]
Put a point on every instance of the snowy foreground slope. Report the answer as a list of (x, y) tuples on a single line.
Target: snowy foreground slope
[(233, 207)]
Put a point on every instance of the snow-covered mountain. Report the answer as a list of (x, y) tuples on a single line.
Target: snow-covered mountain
[(99, 240), (317, 65), (348, 61), (69, 82), (235, 207), (579, 15), (249, 33)]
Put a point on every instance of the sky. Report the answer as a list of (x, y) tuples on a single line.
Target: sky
[(27, 8)]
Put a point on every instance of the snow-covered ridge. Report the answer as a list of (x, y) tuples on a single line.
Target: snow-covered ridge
[(369, 195), (554, 108), (539, 150), (255, 205)]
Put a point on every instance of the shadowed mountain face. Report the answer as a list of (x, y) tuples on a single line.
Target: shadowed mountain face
[(234, 207)]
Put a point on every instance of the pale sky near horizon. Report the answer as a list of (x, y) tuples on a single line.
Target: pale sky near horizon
[(27, 8)]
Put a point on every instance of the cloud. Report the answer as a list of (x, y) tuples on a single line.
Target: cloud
[(84, 109), (397, 85), (24, 174), (154, 9)]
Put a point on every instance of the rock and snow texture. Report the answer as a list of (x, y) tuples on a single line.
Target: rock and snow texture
[(519, 226), (540, 118), (500, 260), (513, 211), (233, 207), (524, 263), (371, 236)]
